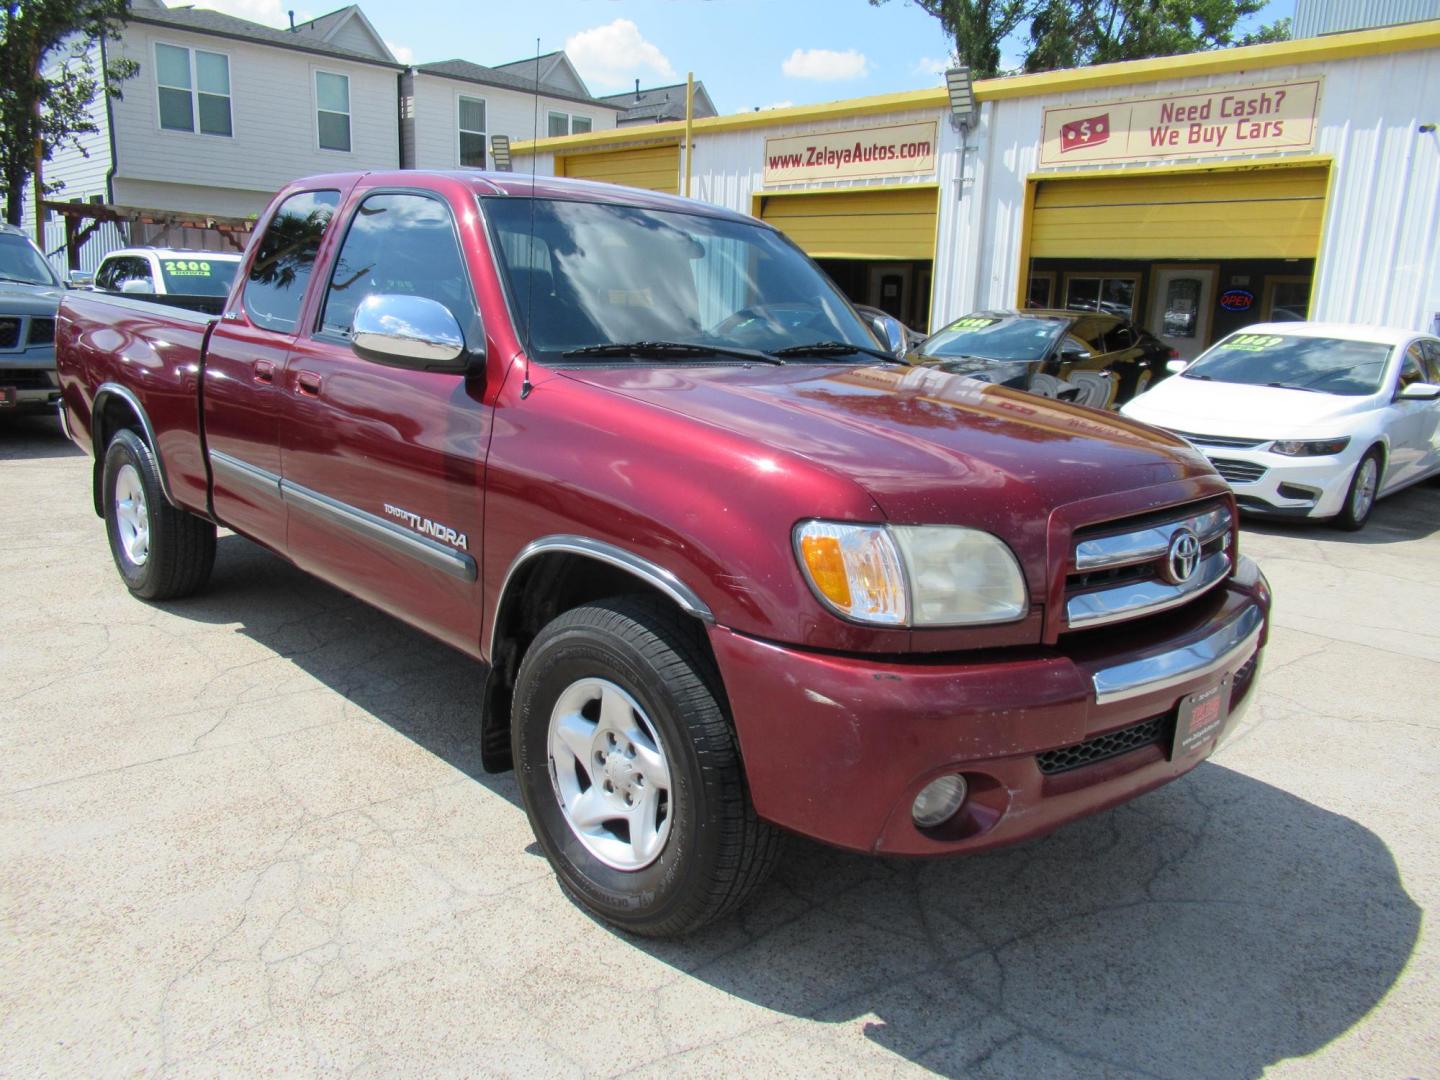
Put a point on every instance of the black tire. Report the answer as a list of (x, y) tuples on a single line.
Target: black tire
[(181, 545), (717, 851), (1353, 517)]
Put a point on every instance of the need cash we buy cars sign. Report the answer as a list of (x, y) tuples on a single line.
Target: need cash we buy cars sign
[(893, 150)]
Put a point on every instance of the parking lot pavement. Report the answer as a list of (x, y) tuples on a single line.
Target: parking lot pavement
[(249, 831)]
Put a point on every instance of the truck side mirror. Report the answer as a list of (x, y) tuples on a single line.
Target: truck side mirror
[(409, 331), (891, 332), (79, 279)]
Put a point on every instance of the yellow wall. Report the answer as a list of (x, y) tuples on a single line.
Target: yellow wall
[(654, 167), (891, 223)]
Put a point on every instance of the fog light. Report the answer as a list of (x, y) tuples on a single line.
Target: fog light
[(938, 801)]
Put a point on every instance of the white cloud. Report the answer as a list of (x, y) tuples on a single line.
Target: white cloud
[(825, 64), (929, 65), (404, 53), (612, 56)]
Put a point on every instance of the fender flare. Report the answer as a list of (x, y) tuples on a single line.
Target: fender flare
[(97, 407)]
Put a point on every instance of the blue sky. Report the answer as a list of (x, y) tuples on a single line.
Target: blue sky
[(750, 53)]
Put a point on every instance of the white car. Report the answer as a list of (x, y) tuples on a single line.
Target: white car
[(168, 272), (1312, 420)]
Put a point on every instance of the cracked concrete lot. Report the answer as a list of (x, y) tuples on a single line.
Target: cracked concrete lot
[(248, 832)]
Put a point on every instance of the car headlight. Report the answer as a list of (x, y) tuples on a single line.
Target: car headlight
[(1313, 448), (911, 575)]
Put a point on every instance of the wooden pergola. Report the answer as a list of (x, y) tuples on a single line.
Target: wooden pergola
[(82, 219)]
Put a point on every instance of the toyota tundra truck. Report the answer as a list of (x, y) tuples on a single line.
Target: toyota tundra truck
[(734, 568)]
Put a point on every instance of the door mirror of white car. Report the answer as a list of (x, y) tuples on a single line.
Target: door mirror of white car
[(1419, 391), (137, 287), (1175, 367), (408, 331), (892, 332)]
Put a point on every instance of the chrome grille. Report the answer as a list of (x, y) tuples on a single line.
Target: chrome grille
[(1217, 440), (1121, 570), (1238, 472)]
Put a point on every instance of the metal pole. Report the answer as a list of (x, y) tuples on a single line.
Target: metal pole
[(689, 126)]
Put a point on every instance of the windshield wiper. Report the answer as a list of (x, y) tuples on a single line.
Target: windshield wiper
[(1292, 386), (22, 281), (836, 348), (671, 350)]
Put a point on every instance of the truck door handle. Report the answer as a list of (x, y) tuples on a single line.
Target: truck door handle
[(264, 371), (308, 383)]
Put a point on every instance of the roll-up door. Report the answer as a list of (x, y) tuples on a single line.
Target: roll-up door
[(857, 224), (654, 167), (1273, 213)]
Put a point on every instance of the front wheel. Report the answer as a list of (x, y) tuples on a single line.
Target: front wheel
[(630, 773), (1360, 498), (161, 552)]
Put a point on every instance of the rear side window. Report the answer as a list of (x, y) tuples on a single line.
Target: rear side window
[(285, 258), (116, 272), (399, 244)]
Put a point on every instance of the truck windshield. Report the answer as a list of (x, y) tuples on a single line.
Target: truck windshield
[(1323, 365), (994, 336), (597, 274), (20, 261), (198, 276)]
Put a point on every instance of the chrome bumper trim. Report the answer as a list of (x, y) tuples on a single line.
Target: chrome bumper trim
[(1228, 647), (1143, 597), (1144, 545)]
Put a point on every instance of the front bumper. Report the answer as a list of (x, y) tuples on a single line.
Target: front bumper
[(1287, 486), (837, 747), (28, 378)]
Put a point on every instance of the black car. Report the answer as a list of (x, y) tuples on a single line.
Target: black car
[(1090, 358)]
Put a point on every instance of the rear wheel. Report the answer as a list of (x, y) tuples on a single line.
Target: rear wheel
[(1360, 498), (161, 552), (630, 773)]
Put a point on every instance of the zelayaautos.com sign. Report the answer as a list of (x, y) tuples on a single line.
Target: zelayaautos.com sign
[(893, 150)]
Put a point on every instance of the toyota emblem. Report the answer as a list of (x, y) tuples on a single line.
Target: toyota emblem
[(1183, 557)]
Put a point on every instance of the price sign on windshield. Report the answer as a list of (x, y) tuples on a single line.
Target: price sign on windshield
[(972, 322), (1253, 342)]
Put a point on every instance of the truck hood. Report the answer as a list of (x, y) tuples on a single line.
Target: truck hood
[(925, 445), (17, 299), (1240, 411)]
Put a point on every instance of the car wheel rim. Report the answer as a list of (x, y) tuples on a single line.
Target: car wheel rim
[(1365, 488), (610, 774), (132, 517)]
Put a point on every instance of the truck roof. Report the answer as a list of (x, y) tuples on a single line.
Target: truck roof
[(522, 185)]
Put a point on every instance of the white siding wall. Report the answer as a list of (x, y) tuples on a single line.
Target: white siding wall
[(82, 170), (273, 116), (507, 112)]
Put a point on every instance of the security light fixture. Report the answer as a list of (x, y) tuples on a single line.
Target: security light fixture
[(962, 96), (500, 152)]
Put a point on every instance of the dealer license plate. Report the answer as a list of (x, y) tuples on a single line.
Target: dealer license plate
[(1200, 718)]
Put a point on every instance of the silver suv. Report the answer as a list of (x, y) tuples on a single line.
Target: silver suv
[(29, 296)]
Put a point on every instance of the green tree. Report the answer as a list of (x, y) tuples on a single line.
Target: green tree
[(977, 27), (48, 83), (1078, 33)]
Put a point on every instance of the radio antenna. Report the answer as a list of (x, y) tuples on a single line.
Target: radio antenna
[(525, 386)]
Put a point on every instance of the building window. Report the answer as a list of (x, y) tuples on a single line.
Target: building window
[(565, 124), (1111, 294), (332, 110), (472, 133), (191, 81)]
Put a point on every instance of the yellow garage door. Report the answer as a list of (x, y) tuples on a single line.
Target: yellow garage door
[(654, 167), (1259, 214), (896, 224)]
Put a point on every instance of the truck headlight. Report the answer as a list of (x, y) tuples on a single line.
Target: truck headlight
[(1314, 448), (912, 575)]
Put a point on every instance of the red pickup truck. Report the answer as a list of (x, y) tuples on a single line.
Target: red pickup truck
[(734, 567)]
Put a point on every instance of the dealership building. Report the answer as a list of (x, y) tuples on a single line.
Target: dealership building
[(1195, 194)]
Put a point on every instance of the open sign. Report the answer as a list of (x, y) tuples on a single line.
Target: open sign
[(1237, 300)]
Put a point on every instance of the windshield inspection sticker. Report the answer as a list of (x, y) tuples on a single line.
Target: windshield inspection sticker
[(1253, 342)]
